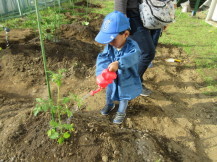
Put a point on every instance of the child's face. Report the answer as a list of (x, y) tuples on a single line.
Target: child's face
[(120, 40)]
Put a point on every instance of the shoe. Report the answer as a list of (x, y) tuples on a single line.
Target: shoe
[(145, 91), (119, 118), (150, 65), (106, 109)]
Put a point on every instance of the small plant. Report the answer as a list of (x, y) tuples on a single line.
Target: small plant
[(60, 110), (50, 23), (85, 23)]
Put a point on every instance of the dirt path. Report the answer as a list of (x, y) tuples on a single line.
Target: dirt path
[(176, 123)]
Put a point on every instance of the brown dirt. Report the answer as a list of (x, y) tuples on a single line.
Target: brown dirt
[(176, 123)]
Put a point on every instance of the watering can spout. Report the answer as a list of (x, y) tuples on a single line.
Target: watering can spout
[(96, 91)]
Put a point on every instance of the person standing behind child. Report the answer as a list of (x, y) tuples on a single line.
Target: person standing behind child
[(147, 39), (120, 55)]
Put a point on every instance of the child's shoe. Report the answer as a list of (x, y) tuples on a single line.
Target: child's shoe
[(119, 118), (106, 109)]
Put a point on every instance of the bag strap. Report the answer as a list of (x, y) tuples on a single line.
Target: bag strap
[(157, 6)]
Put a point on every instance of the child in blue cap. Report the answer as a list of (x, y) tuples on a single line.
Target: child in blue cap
[(120, 55)]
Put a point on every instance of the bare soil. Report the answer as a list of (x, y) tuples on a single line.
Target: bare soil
[(176, 123)]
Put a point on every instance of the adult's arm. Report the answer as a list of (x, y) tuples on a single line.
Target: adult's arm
[(121, 5)]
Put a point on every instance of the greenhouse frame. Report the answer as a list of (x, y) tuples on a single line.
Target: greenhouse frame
[(16, 8)]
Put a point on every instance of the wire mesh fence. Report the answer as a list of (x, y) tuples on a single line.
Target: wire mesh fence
[(16, 8)]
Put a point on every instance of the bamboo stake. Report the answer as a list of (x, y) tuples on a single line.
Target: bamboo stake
[(42, 47)]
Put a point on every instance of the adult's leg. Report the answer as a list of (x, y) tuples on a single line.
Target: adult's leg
[(143, 37), (155, 34)]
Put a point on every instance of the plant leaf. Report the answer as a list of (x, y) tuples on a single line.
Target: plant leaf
[(36, 110), (60, 140), (66, 135), (54, 124), (67, 126), (68, 112), (52, 134), (65, 100)]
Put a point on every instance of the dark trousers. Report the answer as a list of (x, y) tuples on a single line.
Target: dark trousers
[(155, 34), (145, 40)]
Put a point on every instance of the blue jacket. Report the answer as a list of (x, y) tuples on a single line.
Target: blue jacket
[(128, 84)]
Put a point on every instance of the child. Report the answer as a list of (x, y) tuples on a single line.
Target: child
[(120, 55)]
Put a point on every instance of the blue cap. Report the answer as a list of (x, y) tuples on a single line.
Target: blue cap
[(113, 24)]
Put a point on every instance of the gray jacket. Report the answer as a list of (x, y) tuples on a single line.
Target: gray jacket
[(125, 5)]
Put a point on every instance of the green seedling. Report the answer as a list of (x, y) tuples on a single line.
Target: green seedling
[(61, 109), (85, 23)]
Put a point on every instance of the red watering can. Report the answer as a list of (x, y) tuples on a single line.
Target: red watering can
[(104, 79)]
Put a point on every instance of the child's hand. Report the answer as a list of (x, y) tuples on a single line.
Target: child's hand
[(113, 66)]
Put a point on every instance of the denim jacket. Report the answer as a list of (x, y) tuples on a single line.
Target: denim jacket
[(128, 84)]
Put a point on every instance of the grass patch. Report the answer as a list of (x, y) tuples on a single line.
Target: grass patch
[(50, 19), (53, 15), (107, 7), (197, 39)]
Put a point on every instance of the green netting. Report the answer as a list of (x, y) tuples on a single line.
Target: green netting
[(16, 8)]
